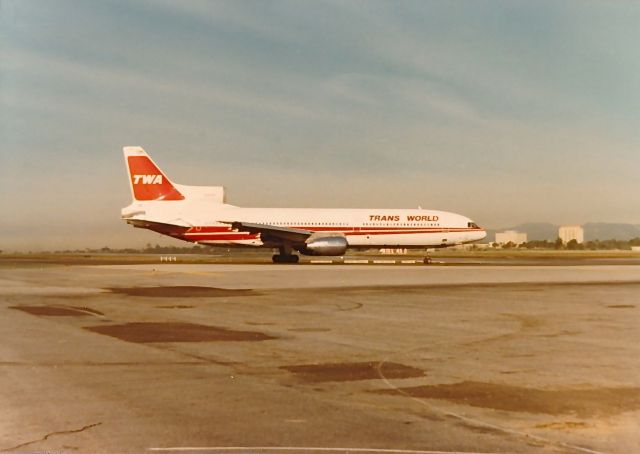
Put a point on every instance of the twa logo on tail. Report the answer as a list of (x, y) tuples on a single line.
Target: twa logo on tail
[(147, 179), (148, 182)]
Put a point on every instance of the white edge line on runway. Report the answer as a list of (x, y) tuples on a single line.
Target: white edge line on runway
[(305, 448)]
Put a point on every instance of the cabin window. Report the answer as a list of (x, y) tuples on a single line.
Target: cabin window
[(472, 225)]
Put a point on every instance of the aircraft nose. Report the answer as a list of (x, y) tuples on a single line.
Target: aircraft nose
[(482, 234)]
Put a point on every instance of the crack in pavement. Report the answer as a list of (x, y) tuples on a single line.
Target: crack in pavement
[(62, 432)]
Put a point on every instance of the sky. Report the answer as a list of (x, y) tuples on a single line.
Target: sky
[(504, 111)]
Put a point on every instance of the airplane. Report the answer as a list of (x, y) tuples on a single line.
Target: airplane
[(200, 214)]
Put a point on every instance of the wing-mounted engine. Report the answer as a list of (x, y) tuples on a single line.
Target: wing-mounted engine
[(286, 238), (325, 245)]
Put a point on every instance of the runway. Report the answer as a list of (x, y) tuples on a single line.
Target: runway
[(336, 358)]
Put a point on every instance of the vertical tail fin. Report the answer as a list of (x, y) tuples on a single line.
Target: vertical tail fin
[(145, 178)]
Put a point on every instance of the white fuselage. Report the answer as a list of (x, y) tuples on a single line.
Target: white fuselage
[(210, 223)]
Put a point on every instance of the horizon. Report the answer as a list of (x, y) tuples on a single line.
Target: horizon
[(504, 112), (147, 238)]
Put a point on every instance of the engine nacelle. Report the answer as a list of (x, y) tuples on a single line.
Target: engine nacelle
[(325, 245)]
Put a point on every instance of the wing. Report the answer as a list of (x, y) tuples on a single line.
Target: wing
[(272, 233)]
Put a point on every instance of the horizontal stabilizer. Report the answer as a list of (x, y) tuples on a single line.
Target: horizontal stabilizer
[(160, 227)]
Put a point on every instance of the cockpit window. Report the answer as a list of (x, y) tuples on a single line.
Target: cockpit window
[(472, 225)]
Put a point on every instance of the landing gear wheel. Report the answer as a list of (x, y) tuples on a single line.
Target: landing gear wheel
[(284, 258), (426, 260)]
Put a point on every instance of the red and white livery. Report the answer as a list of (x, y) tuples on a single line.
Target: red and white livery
[(200, 214)]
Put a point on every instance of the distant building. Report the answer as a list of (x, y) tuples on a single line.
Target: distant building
[(511, 236), (571, 232)]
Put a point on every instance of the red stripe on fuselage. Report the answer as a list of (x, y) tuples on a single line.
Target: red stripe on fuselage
[(222, 237), (224, 229), (209, 229), (226, 233)]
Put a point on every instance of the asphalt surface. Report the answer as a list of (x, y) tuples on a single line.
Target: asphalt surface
[(343, 358)]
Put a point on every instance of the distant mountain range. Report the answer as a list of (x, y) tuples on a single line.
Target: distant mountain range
[(592, 231)]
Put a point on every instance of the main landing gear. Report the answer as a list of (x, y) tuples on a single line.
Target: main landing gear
[(285, 256)]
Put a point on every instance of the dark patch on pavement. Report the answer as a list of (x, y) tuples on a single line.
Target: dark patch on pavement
[(581, 402), (145, 332), (621, 306), (371, 370), (57, 311), (184, 291)]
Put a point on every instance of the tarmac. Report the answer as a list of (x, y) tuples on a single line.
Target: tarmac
[(320, 358)]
